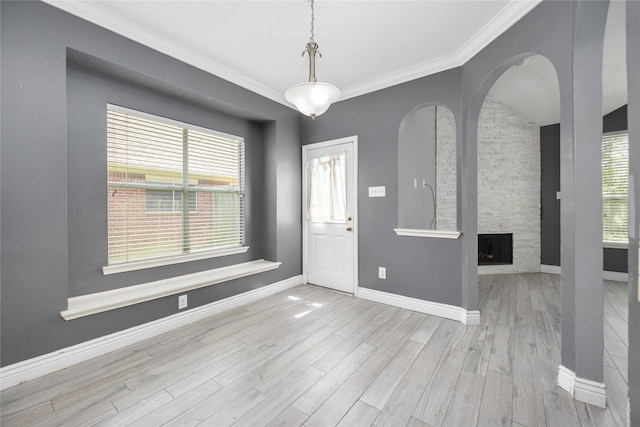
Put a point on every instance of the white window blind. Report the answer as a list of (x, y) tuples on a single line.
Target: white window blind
[(174, 188), (615, 184)]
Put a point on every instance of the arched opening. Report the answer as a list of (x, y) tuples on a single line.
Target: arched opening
[(523, 100), (427, 169)]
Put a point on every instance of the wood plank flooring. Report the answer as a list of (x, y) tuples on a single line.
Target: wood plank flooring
[(312, 357)]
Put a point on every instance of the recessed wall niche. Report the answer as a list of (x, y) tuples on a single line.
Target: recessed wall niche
[(427, 170)]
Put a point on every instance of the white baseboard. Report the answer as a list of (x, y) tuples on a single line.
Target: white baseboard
[(433, 308), (582, 389), (30, 369), (614, 276), (471, 317), (566, 379), (550, 269)]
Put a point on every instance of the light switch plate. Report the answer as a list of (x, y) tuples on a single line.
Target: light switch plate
[(382, 272), (377, 191)]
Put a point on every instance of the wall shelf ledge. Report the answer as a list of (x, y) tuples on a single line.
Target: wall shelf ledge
[(99, 302), (437, 234)]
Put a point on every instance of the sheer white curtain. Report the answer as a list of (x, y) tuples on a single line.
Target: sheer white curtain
[(327, 189)]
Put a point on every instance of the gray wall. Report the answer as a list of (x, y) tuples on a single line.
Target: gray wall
[(57, 72), (417, 158), (422, 268), (633, 71), (570, 35), (613, 259), (35, 223)]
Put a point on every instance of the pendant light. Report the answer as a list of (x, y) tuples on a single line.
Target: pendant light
[(312, 98)]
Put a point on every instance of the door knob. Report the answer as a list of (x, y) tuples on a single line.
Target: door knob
[(349, 229)]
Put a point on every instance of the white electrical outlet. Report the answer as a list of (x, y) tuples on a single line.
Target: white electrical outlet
[(382, 272), (182, 301), (377, 191)]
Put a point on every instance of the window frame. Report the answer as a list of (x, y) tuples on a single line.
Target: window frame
[(194, 254)]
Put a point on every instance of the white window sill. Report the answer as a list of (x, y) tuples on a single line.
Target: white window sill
[(99, 302), (437, 234), (615, 245), (178, 259)]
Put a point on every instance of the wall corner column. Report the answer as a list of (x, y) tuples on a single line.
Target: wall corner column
[(581, 209)]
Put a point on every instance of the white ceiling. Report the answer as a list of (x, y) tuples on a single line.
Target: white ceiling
[(366, 45)]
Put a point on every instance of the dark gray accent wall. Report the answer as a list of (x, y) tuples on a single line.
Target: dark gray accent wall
[(549, 187), (633, 71), (57, 73), (613, 259), (423, 268), (615, 120)]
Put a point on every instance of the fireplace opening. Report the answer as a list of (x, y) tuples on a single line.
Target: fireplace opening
[(495, 249)]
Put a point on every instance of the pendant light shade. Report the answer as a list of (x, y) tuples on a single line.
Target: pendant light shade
[(312, 98)]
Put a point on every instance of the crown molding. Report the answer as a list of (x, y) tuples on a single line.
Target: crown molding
[(413, 72), (508, 16), (93, 12), (97, 14)]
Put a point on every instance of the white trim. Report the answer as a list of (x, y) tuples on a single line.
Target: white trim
[(508, 16), (550, 269), (614, 276), (471, 317), (582, 389), (353, 140), (615, 245), (99, 302), (413, 72), (178, 259), (566, 379), (99, 15), (42, 365), (438, 234), (433, 308), (590, 392)]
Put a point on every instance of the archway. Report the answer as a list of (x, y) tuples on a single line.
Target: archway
[(427, 175)]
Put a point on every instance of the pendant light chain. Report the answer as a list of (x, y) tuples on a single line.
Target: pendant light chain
[(312, 39)]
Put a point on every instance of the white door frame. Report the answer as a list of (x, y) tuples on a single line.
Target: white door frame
[(353, 140)]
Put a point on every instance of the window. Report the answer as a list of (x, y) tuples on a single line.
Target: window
[(615, 183), (154, 165), (169, 201), (327, 188)]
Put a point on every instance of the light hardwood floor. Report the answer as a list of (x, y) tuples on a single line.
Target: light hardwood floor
[(314, 357)]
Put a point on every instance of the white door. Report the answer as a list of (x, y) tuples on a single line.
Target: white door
[(330, 212)]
